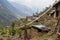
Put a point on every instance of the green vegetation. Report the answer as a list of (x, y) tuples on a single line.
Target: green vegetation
[(18, 32), (12, 30), (3, 30)]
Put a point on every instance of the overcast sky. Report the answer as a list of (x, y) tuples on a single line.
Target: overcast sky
[(39, 4)]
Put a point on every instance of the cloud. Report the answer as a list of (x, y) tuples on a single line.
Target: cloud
[(39, 4)]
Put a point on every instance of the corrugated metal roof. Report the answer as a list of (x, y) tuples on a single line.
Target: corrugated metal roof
[(39, 26)]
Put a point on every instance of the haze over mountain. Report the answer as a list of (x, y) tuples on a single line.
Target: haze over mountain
[(10, 12), (34, 4), (6, 15), (22, 10)]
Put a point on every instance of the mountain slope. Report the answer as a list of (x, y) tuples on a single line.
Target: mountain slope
[(22, 9), (6, 15), (19, 9)]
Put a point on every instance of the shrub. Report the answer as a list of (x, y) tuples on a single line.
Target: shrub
[(3, 30), (12, 30)]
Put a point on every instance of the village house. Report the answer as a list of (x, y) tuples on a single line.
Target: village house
[(56, 9)]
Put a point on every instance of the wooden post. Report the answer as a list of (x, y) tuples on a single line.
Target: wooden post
[(55, 15), (56, 9), (30, 33), (25, 37)]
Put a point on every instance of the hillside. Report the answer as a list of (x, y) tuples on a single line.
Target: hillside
[(6, 15), (29, 28)]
